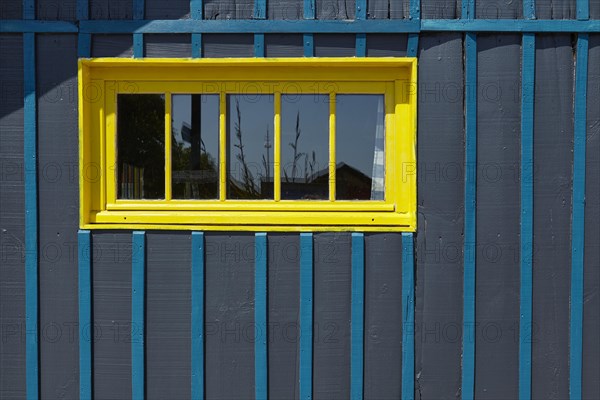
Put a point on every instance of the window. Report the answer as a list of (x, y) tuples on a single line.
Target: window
[(248, 144)]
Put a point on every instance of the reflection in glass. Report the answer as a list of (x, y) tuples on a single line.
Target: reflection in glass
[(359, 147), (195, 146), (141, 146), (250, 146), (304, 147)]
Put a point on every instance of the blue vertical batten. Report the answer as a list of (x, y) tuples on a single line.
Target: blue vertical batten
[(86, 331), (358, 316), (138, 9), (468, 365), (468, 9), (578, 219), (260, 316), (361, 44), (583, 10), (309, 9), (138, 45), (408, 317), (84, 45), (259, 45), (415, 9), (361, 9), (28, 9), (309, 45), (197, 318), (138, 278), (31, 214), (413, 45), (306, 315), (529, 9), (138, 38), (197, 12), (526, 250), (83, 10), (260, 9)]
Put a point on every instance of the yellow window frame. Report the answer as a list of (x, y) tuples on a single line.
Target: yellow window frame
[(102, 79)]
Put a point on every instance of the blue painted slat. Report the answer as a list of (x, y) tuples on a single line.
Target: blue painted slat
[(196, 45), (529, 9), (468, 364), (526, 247), (84, 45), (361, 9), (197, 317), (309, 45), (583, 10), (260, 9), (260, 316), (19, 26), (28, 9), (196, 9), (31, 217), (408, 317), (467, 9), (578, 221), (415, 9), (361, 45), (259, 45), (413, 45), (509, 25), (197, 13), (358, 316), (306, 315), (303, 26), (85, 314), (138, 45), (309, 9), (138, 278), (83, 9), (138, 9)]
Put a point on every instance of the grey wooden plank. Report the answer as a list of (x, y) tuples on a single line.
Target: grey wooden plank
[(334, 45), (58, 191), (492, 9), (331, 327), (168, 315), (227, 45), (555, 9), (111, 311), (388, 9), (440, 9), (440, 202), (284, 45), (552, 192), (335, 9), (228, 9), (172, 9), (110, 9), (112, 45), (176, 45), (61, 10), (383, 316), (498, 216), (386, 45), (229, 316), (285, 9), (12, 223), (284, 315)]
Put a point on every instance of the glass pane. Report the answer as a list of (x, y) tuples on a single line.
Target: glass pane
[(304, 147), (141, 146), (359, 147), (250, 146), (195, 146)]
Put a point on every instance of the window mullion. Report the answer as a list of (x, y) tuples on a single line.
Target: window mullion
[(277, 145), (168, 154), (222, 146), (332, 147)]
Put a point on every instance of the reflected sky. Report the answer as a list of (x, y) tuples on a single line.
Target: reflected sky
[(250, 146)]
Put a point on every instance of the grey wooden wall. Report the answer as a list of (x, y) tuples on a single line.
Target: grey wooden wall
[(439, 243)]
